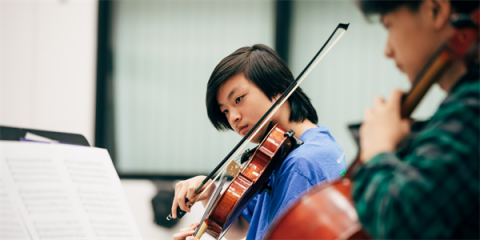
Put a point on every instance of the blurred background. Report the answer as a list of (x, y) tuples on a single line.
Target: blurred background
[(131, 77)]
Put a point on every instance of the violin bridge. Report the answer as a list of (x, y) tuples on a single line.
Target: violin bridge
[(233, 168)]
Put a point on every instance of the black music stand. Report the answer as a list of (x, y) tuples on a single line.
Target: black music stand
[(16, 134)]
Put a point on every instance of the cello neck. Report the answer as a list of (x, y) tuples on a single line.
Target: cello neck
[(456, 51), (435, 69)]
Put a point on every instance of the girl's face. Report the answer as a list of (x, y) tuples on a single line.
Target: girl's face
[(243, 104)]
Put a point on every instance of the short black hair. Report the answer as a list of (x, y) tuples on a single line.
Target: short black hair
[(264, 67), (382, 7)]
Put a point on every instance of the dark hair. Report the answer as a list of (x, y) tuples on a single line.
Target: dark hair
[(261, 65), (382, 7)]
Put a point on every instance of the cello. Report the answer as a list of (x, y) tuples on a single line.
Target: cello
[(331, 205), (253, 176)]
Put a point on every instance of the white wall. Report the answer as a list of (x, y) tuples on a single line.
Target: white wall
[(48, 65), (164, 54)]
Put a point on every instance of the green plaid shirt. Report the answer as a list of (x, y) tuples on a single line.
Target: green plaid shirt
[(429, 189)]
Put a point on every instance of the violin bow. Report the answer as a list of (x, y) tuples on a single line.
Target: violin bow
[(271, 111)]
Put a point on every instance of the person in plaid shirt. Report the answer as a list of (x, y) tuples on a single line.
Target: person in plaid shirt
[(430, 189)]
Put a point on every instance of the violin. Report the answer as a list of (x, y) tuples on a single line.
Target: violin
[(251, 180), (328, 211), (224, 209)]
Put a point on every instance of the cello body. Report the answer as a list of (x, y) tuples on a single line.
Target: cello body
[(315, 215)]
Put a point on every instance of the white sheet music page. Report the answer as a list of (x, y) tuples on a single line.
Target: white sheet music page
[(63, 192), (11, 224)]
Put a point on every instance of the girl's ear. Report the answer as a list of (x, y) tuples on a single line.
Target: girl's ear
[(440, 11)]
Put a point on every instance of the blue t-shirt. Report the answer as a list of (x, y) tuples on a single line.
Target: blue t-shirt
[(320, 158)]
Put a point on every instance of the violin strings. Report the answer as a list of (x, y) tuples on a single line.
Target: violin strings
[(222, 171), (210, 204)]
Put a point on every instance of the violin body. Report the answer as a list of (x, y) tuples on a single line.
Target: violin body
[(248, 182)]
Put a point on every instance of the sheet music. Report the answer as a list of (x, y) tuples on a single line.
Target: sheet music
[(65, 192), (11, 224)]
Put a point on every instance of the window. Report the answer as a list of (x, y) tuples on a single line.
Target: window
[(163, 55)]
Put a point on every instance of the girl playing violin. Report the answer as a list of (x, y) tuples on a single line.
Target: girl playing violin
[(242, 87), (431, 188)]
